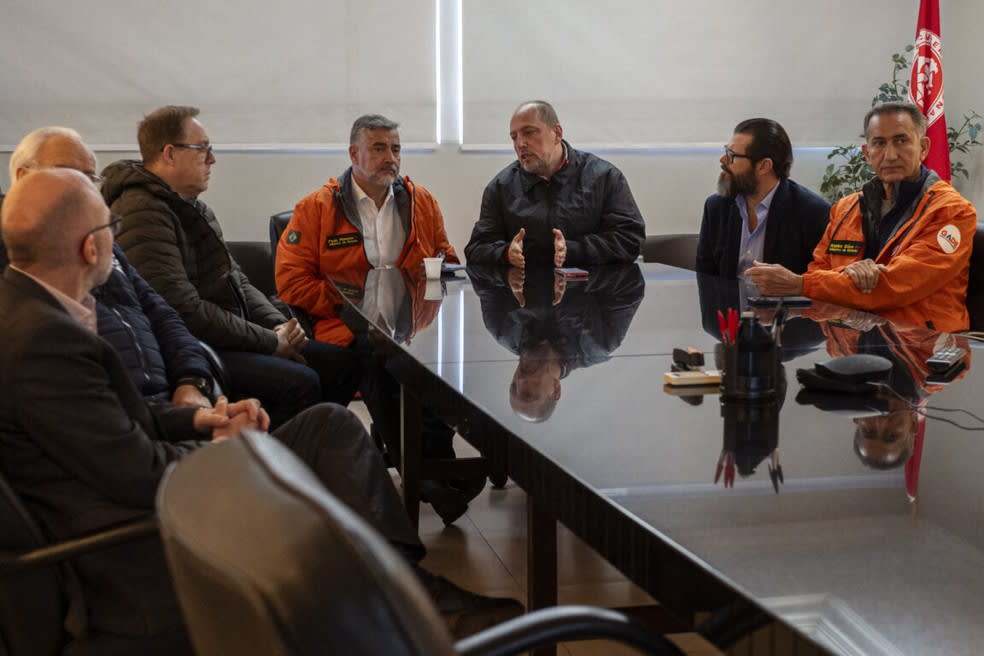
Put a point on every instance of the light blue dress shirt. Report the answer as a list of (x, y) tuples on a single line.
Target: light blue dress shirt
[(753, 242)]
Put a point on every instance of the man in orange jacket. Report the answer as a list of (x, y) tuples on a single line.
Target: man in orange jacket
[(369, 217), (899, 247)]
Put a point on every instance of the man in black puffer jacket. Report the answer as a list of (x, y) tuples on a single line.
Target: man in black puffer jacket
[(175, 242)]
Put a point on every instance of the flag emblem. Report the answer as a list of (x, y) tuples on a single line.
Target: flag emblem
[(926, 81)]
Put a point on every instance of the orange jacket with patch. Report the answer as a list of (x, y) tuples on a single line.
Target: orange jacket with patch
[(324, 237), (927, 260)]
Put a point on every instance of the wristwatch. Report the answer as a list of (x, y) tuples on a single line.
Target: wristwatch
[(203, 385)]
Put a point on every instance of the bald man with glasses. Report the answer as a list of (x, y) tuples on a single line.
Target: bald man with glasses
[(759, 214)]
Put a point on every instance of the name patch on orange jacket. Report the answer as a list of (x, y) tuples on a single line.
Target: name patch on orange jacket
[(844, 247), (343, 241)]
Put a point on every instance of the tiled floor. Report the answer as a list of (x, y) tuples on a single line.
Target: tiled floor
[(485, 551)]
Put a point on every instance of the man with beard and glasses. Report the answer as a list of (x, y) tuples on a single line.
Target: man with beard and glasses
[(758, 212), (554, 206)]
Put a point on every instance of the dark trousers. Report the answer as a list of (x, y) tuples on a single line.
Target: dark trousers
[(334, 444), (285, 387), (381, 394)]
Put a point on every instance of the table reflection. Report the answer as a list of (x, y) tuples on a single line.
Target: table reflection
[(554, 325)]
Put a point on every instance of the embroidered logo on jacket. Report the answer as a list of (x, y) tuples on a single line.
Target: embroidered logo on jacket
[(948, 238), (844, 247), (294, 236), (343, 241)]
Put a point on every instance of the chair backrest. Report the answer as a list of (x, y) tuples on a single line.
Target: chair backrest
[(278, 223), (254, 259), (679, 250), (32, 602), (975, 284), (266, 561)]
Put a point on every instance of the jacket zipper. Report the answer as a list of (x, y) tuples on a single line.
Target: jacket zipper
[(136, 344)]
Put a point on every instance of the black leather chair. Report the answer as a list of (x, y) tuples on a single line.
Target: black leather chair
[(268, 562), (254, 259), (975, 284), (35, 582), (679, 250), (278, 223)]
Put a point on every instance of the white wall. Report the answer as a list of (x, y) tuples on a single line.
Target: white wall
[(669, 184), (246, 188)]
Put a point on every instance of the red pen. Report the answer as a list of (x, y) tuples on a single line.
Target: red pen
[(720, 466), (723, 326), (733, 324)]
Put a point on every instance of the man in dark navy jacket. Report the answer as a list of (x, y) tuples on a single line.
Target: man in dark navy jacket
[(758, 212)]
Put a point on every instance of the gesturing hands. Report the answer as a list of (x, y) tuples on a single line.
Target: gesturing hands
[(515, 257), (515, 252), (516, 279), (560, 248), (290, 340), (228, 419)]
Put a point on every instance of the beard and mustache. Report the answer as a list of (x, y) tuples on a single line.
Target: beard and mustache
[(732, 184)]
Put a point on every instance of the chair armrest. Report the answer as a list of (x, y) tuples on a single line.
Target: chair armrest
[(564, 623), (53, 553), (220, 378)]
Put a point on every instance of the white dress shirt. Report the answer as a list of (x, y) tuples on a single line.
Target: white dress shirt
[(382, 231)]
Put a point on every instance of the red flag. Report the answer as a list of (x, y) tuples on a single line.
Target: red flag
[(926, 85)]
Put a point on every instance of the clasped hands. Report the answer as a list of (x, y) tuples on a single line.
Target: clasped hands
[(290, 340), (514, 254), (228, 419), (777, 280)]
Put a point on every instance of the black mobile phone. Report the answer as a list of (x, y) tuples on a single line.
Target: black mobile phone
[(772, 301), (947, 376)]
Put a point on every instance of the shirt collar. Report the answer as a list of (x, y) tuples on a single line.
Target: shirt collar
[(84, 313), (530, 180), (765, 203)]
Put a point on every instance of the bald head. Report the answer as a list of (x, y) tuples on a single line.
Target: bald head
[(51, 147), (46, 218)]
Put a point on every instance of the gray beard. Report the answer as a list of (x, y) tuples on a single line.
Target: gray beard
[(730, 186)]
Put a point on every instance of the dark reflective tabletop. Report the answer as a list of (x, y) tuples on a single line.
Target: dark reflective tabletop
[(871, 539)]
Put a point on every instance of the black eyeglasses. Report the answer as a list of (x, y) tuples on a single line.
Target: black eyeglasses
[(202, 148), (113, 225), (731, 155)]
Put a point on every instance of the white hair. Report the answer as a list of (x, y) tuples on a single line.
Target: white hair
[(26, 153)]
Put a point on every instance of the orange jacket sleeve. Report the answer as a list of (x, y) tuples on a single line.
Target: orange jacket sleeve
[(299, 279)]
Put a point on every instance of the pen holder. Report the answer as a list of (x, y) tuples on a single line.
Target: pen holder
[(751, 432), (750, 364)]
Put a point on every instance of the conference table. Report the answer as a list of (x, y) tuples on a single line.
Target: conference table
[(855, 519)]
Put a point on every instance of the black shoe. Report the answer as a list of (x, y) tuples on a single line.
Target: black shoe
[(447, 502), (470, 487), (464, 612)]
